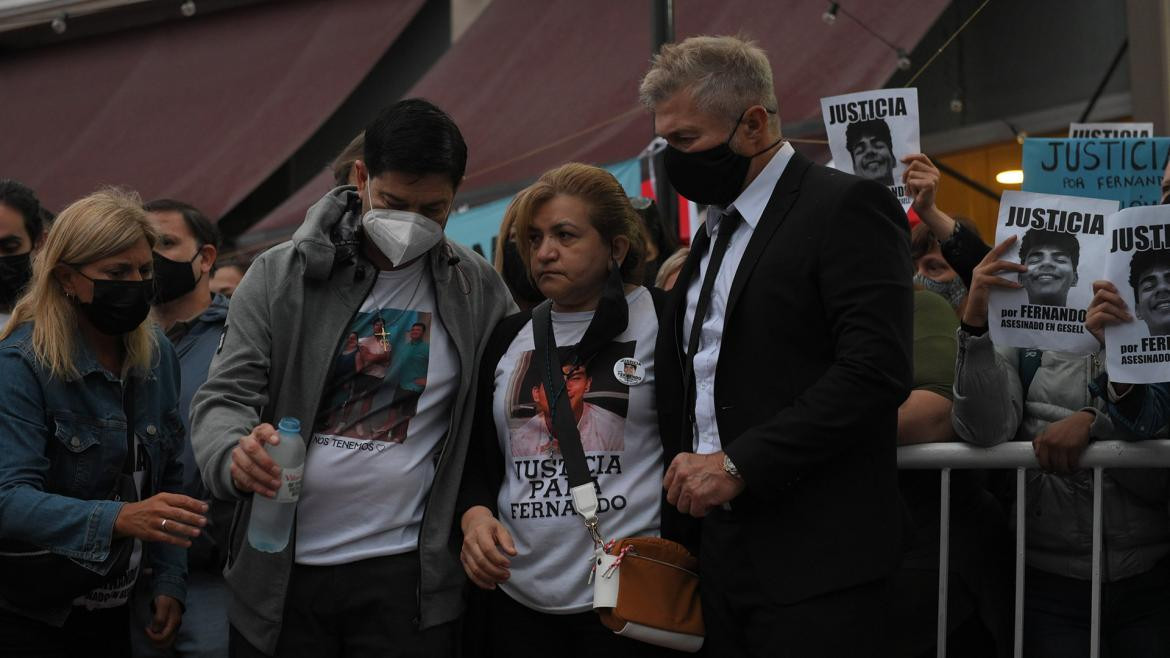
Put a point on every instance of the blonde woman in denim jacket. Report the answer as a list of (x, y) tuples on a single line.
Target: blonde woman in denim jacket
[(83, 377)]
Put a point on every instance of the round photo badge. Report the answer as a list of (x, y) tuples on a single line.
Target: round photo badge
[(629, 371)]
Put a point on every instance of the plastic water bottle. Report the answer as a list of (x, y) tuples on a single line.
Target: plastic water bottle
[(272, 518)]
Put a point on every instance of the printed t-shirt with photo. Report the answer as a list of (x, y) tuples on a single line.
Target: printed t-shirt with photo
[(117, 589), (385, 411), (612, 397)]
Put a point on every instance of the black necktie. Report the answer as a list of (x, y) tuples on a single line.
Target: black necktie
[(727, 226)]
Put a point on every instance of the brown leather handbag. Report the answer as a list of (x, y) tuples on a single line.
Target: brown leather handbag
[(647, 588), (644, 588)]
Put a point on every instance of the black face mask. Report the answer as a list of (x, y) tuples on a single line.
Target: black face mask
[(15, 271), (173, 278), (516, 276), (118, 307), (713, 177)]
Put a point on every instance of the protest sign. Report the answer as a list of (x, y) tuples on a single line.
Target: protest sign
[(1128, 170), (1110, 130), (871, 131), (1062, 242), (1138, 263)]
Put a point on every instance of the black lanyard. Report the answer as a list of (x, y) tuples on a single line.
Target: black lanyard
[(564, 424)]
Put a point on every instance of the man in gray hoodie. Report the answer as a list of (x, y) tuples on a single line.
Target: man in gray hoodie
[(369, 567)]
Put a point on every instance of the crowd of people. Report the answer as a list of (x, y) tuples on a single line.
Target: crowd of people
[(744, 397)]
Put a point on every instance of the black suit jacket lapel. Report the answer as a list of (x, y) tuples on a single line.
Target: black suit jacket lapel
[(785, 194)]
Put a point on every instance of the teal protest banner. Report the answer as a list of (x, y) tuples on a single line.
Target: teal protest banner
[(478, 227), (1125, 170)]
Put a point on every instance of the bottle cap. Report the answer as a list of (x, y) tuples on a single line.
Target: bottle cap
[(290, 425)]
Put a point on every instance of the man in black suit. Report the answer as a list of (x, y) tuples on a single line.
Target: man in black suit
[(778, 406)]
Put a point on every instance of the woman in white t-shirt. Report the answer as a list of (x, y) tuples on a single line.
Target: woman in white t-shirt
[(583, 246)]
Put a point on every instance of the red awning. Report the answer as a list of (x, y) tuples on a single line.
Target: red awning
[(562, 79), (535, 88), (200, 110), (283, 220), (535, 85)]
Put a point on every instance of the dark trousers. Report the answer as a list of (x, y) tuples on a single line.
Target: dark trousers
[(1135, 615), (517, 631), (366, 608), (979, 601), (743, 619), (104, 632)]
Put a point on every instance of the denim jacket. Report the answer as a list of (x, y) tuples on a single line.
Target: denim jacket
[(62, 445), (1144, 412)]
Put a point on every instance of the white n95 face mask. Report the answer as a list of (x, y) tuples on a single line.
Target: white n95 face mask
[(400, 235)]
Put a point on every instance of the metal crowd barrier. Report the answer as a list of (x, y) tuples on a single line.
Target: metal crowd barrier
[(1018, 455)]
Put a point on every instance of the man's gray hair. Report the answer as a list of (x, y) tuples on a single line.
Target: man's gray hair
[(725, 75)]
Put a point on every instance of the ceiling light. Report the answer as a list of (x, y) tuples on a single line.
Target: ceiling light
[(188, 8), (830, 16), (903, 60), (1010, 177), (59, 25)]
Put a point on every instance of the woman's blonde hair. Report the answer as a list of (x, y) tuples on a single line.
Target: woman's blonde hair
[(98, 226), (610, 211), (671, 266)]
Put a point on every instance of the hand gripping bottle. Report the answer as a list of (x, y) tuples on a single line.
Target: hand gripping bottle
[(272, 518)]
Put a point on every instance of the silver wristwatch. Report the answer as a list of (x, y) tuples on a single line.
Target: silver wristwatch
[(729, 467)]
